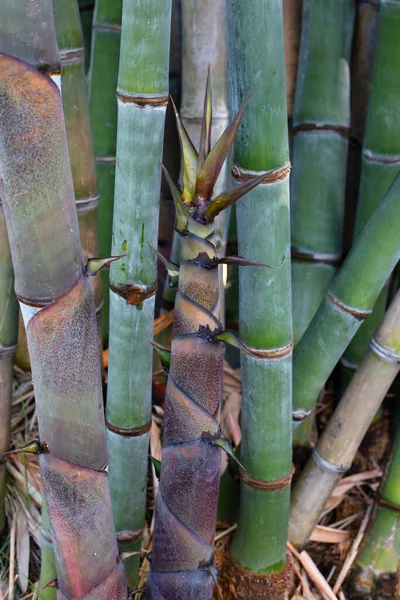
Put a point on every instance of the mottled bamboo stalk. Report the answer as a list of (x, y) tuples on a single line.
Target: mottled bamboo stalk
[(79, 134), (27, 32), (258, 549), (349, 300), (380, 552), (57, 303), (142, 98), (8, 343), (103, 75), (339, 443), (381, 150), (182, 563)]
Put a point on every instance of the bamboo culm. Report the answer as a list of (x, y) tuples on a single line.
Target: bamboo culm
[(8, 343), (77, 123), (142, 98), (103, 76), (182, 563), (380, 551), (19, 36), (258, 550), (57, 303), (339, 443), (380, 161), (349, 300)]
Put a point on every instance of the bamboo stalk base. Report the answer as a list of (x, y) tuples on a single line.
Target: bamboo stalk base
[(238, 584)]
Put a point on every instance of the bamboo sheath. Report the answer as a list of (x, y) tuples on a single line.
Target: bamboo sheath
[(8, 342), (19, 26), (381, 150), (58, 308), (349, 300), (321, 122), (103, 77), (380, 552), (257, 59), (142, 98), (339, 443)]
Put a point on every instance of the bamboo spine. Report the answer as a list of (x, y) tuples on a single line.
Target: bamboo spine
[(58, 308), (77, 123), (381, 151), (321, 125), (142, 98), (8, 344), (380, 552), (348, 302), (103, 76), (259, 544), (339, 443)]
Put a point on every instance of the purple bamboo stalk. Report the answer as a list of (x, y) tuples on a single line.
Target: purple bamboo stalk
[(182, 563)]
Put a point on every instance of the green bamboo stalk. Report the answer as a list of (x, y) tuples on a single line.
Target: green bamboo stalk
[(58, 308), (349, 300), (48, 570), (292, 11), (380, 552), (103, 77), (8, 343), (259, 544), (339, 443), (321, 122), (381, 150), (142, 98), (77, 123)]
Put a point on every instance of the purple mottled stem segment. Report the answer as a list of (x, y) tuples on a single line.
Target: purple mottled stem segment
[(187, 499)]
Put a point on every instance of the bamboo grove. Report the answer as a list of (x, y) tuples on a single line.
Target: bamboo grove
[(168, 167)]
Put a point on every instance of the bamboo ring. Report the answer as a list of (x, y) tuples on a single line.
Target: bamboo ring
[(133, 432), (267, 486)]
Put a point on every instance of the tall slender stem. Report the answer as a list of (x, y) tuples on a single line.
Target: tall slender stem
[(349, 300), (8, 342), (257, 60), (339, 443), (381, 151), (103, 75), (142, 99), (58, 308)]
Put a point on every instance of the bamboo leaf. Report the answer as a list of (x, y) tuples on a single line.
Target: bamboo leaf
[(171, 267), (229, 197), (94, 265), (208, 174), (181, 209), (189, 159), (157, 466), (164, 354), (205, 136)]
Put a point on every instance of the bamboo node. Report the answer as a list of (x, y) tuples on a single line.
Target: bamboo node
[(318, 257), (360, 315), (386, 504), (342, 130), (7, 350), (129, 536), (134, 293), (273, 176), (326, 465), (271, 353), (142, 101), (267, 486), (133, 432), (385, 353)]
